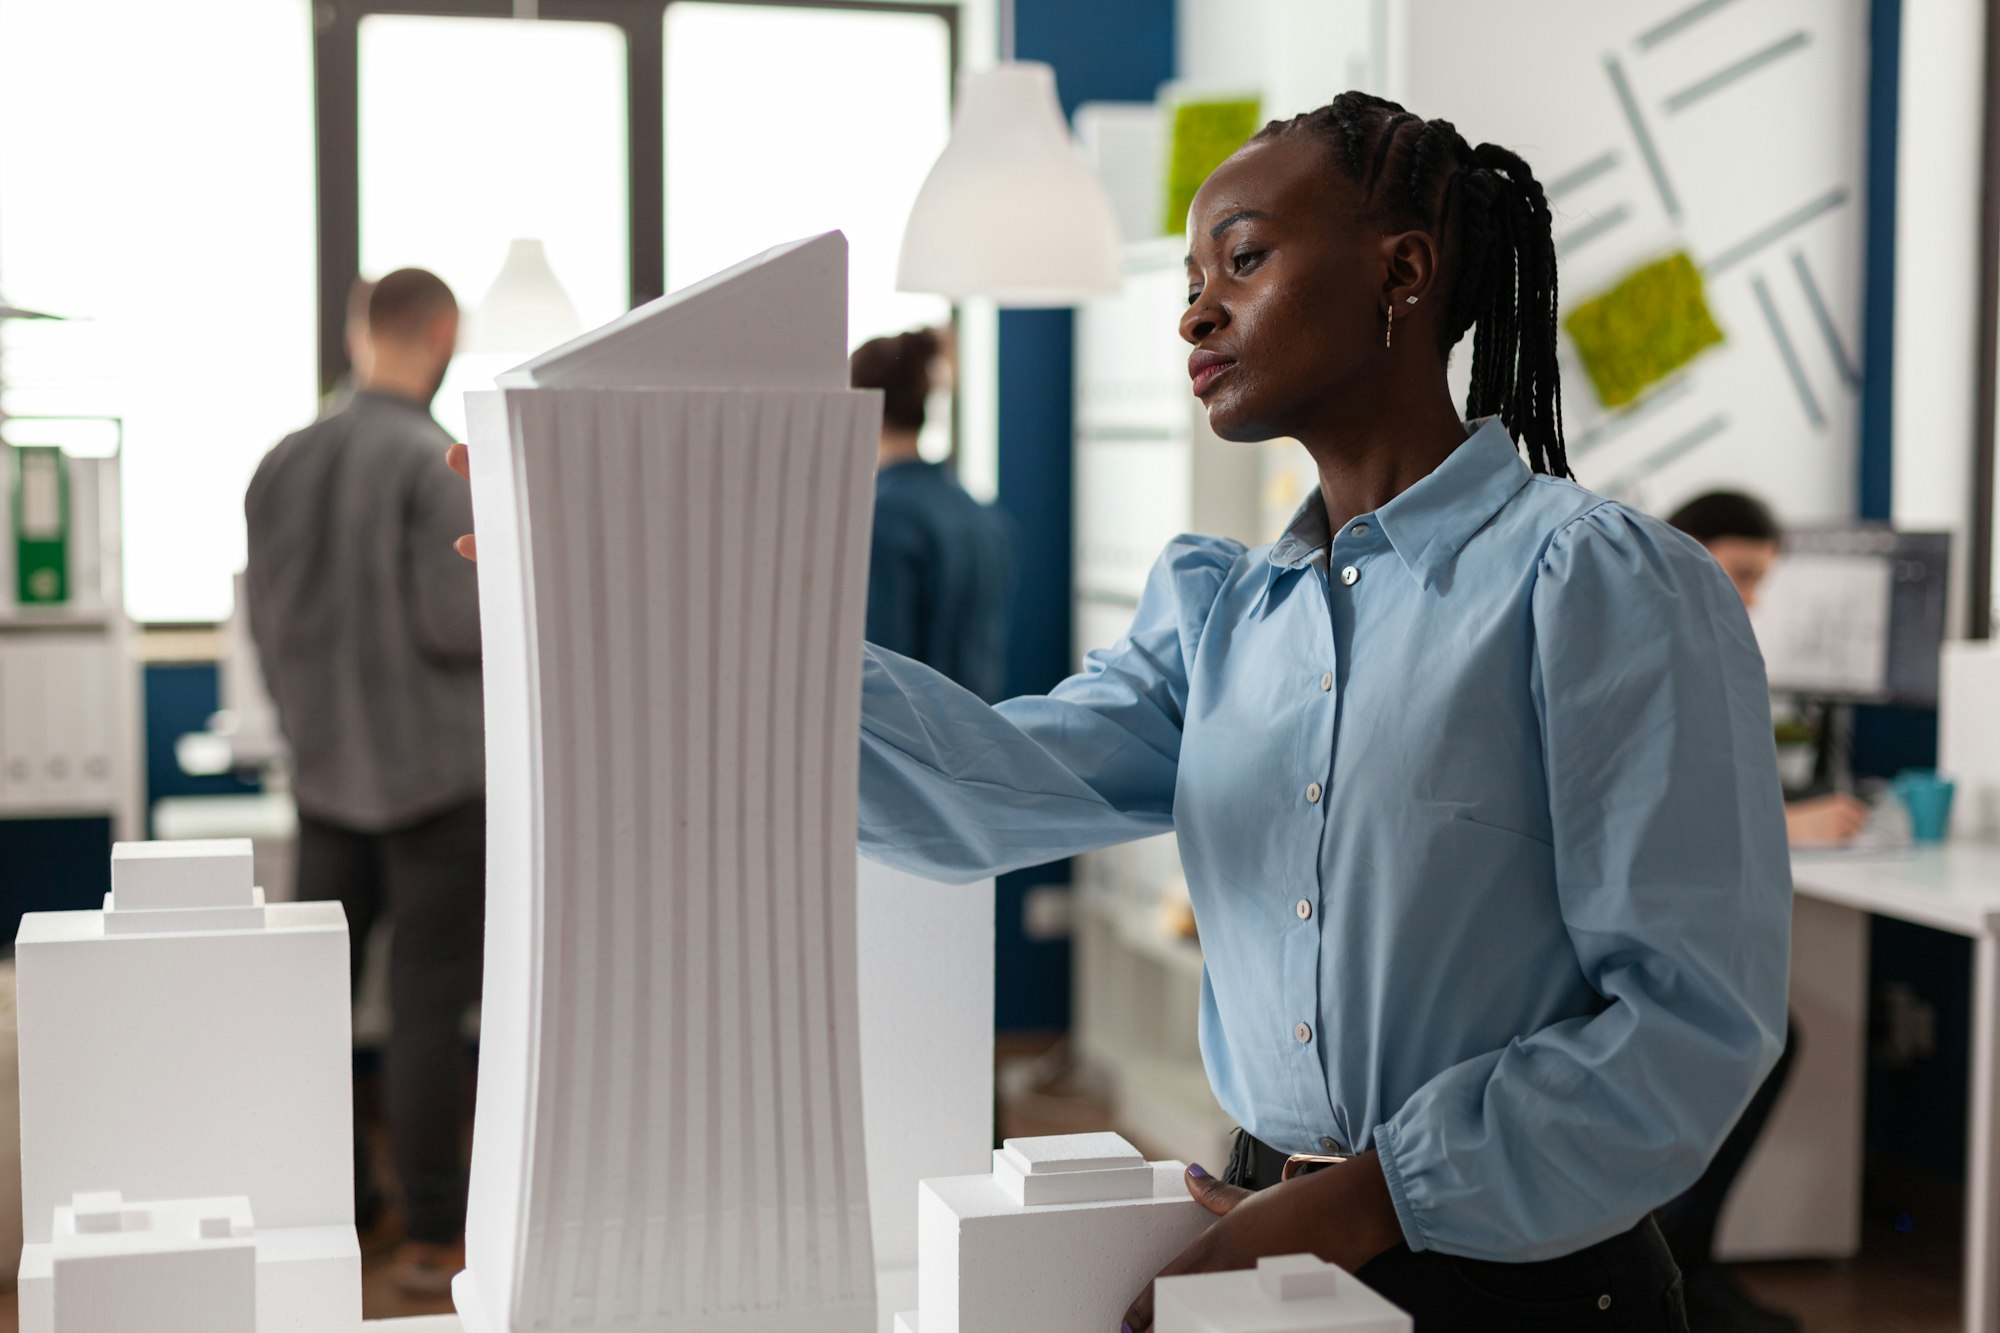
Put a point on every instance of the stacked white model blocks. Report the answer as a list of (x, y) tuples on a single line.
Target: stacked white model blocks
[(1060, 1238), (186, 1045), (1298, 1293), (188, 1266), (673, 516)]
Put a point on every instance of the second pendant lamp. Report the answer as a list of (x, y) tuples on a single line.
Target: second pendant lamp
[(1010, 211)]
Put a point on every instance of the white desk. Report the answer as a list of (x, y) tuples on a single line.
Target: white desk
[(1954, 888)]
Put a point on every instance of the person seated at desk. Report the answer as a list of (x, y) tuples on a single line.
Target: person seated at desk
[(1744, 537), (940, 564)]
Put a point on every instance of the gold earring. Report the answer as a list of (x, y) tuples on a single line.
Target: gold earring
[(1389, 332)]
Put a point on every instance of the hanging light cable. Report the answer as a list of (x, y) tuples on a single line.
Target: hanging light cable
[(1009, 210)]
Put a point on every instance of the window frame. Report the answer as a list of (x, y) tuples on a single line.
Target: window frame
[(1986, 405), (337, 136)]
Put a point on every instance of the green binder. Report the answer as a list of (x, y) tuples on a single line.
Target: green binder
[(41, 526)]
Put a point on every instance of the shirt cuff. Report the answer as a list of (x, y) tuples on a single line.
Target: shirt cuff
[(1392, 1172)]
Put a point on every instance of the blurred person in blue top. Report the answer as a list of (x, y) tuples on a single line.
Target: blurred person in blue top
[(940, 563), (1472, 770)]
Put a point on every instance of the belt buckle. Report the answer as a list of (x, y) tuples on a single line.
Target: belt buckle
[(1305, 1163)]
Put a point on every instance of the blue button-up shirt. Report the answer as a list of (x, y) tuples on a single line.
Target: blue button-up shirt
[(1480, 814)]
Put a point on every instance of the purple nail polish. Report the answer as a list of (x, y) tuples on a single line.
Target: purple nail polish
[(1199, 1174)]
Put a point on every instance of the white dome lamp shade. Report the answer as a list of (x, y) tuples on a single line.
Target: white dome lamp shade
[(1009, 210), (526, 309)]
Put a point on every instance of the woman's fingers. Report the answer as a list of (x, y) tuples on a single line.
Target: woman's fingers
[(1139, 1315), (1211, 1193), (460, 460)]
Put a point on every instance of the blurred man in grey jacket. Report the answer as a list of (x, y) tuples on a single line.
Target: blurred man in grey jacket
[(367, 627)]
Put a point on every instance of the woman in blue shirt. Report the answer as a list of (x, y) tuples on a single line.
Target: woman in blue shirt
[(1472, 770)]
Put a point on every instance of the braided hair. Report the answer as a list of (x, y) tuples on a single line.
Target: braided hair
[(1493, 227)]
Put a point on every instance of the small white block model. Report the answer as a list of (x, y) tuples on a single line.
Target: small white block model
[(181, 1266), (207, 1058), (1072, 1168), (1295, 1293), (152, 876), (181, 886), (990, 1263)]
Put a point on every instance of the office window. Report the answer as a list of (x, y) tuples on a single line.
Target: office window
[(478, 132), (782, 121), (159, 187)]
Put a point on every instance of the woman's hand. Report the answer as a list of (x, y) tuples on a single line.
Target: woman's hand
[(1824, 821), (460, 459), (1343, 1214)]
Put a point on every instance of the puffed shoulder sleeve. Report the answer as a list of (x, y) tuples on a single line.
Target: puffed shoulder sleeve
[(956, 789), (1675, 886)]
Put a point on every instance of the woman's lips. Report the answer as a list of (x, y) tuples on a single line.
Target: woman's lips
[(1208, 372)]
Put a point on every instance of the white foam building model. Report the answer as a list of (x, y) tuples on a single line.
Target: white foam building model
[(185, 1266), (926, 962), (1295, 1293), (186, 1059), (1059, 1238), (673, 516)]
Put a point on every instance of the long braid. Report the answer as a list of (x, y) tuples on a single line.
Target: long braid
[(1493, 226)]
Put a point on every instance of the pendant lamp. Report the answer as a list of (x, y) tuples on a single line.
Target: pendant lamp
[(525, 309), (1009, 210)]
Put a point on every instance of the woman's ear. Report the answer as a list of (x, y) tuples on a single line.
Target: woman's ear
[(1410, 264)]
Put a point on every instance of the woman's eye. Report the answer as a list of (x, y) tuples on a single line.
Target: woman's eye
[(1194, 296), (1243, 258)]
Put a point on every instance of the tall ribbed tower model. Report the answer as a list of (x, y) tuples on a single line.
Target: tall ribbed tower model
[(673, 515)]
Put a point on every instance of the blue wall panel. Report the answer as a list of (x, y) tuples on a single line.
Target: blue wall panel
[(1107, 50)]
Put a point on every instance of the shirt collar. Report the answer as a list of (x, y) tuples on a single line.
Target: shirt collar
[(1427, 524)]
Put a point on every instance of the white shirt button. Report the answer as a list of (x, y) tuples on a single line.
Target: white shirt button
[(1358, 530), (1303, 1032), (1313, 793), (1329, 1145), (1326, 681), (1305, 910), (1350, 576)]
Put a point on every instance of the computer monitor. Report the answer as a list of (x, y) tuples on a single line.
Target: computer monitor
[(1856, 614)]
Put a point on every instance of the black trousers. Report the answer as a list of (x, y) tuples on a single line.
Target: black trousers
[(430, 881), (1627, 1284)]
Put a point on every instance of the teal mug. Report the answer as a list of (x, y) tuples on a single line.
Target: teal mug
[(1928, 799)]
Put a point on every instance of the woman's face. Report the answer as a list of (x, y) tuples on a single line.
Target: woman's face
[(1287, 290), (1747, 561)]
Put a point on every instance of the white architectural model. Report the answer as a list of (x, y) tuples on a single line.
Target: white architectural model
[(926, 963), (1059, 1238), (188, 1266), (186, 1045), (673, 517), (1298, 1293)]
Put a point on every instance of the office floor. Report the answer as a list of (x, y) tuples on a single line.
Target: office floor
[(1905, 1282)]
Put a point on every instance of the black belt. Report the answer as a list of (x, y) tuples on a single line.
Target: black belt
[(1256, 1165)]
